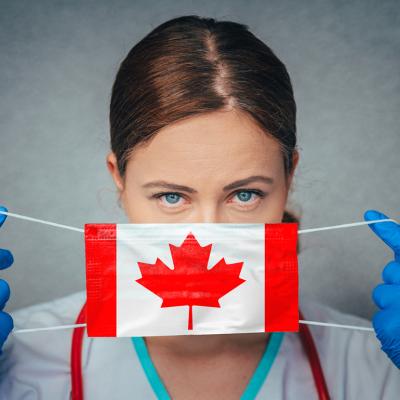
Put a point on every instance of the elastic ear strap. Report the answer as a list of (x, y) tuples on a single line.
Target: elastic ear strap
[(301, 321), (299, 232), (325, 228)]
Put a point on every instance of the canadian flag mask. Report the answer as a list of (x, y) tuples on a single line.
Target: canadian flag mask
[(198, 278)]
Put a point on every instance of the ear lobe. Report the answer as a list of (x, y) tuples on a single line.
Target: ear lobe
[(295, 161), (296, 158), (112, 165)]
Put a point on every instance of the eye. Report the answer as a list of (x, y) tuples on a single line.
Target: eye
[(171, 198), (245, 196)]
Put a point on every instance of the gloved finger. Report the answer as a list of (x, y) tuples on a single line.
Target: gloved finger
[(3, 216), (387, 328), (387, 323), (389, 232), (4, 293), (385, 296), (6, 325), (391, 273), (6, 258)]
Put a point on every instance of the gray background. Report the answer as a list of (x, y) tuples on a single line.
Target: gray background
[(58, 62)]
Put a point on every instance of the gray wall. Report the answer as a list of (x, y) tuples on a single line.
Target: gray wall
[(58, 61)]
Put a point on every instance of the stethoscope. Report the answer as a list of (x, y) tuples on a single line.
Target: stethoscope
[(76, 359)]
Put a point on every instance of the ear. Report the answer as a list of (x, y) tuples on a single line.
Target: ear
[(295, 161), (112, 166)]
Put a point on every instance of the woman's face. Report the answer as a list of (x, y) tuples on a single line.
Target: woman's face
[(215, 167)]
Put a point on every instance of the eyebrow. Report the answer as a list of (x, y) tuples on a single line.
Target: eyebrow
[(233, 185)]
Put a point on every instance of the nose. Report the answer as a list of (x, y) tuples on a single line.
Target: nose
[(208, 214)]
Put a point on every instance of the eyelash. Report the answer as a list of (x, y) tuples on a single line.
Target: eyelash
[(259, 193)]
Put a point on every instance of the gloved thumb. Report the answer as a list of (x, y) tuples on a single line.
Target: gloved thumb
[(389, 232)]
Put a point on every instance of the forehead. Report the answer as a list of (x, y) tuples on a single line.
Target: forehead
[(221, 143)]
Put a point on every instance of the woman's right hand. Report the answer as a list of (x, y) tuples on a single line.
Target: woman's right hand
[(6, 259)]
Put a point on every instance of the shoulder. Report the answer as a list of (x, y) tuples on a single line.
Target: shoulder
[(352, 359), (60, 311), (36, 365), (44, 354)]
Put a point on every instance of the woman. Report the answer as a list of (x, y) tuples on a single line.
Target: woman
[(203, 129)]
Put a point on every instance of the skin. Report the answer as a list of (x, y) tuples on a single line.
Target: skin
[(205, 153)]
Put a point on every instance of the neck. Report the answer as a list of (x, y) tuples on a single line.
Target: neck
[(206, 345)]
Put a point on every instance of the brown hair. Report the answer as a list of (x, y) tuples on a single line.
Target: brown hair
[(191, 65)]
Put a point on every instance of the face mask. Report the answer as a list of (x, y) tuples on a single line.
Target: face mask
[(182, 279)]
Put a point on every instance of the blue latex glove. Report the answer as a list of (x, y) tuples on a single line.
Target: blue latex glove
[(6, 259), (386, 296)]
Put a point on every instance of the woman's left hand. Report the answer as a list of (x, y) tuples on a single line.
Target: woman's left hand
[(386, 296)]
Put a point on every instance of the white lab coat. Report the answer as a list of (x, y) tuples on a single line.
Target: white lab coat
[(36, 365)]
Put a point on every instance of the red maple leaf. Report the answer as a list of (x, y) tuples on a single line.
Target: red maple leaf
[(190, 282)]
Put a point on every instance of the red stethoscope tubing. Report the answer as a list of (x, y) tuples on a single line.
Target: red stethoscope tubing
[(305, 336), (76, 357), (313, 359)]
